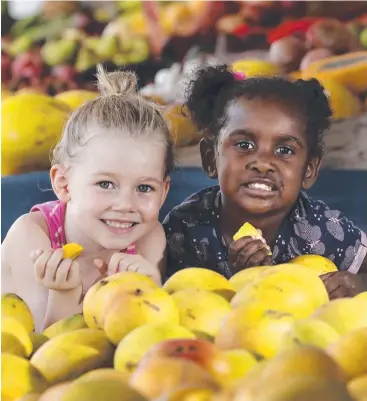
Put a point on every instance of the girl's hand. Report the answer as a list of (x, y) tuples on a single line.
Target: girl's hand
[(121, 262), (344, 284), (248, 252), (55, 272)]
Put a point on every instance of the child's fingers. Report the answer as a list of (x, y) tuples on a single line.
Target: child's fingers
[(74, 277), (252, 254), (52, 264), (113, 265), (101, 266), (40, 264), (34, 255), (128, 262), (63, 271)]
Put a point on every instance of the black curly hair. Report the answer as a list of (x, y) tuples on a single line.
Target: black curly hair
[(213, 88)]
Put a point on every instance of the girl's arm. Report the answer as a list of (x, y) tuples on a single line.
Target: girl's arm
[(25, 235)]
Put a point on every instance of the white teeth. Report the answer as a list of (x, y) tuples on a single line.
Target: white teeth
[(116, 224), (257, 185)]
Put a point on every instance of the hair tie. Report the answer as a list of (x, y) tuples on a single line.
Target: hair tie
[(239, 76)]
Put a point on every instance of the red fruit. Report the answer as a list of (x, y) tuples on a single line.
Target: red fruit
[(64, 72), (199, 351), (27, 65), (6, 62)]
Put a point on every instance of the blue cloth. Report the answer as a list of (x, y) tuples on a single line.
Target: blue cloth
[(340, 189), (194, 237)]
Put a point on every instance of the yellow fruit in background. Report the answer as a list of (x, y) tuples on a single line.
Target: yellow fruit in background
[(101, 390), (255, 328), (19, 377), (287, 288), (201, 311), (76, 97), (350, 352), (94, 296), (344, 104), (134, 306), (310, 332), (14, 306), (15, 337), (253, 68), (247, 230), (197, 277), (158, 376), (138, 342), (31, 124), (71, 323), (344, 315), (358, 388), (182, 129), (232, 366), (72, 251), (69, 355), (30, 397), (246, 276), (319, 264)]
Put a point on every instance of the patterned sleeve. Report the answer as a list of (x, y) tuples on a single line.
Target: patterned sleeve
[(329, 233), (180, 253)]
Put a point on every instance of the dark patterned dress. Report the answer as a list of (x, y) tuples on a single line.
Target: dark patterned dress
[(194, 238)]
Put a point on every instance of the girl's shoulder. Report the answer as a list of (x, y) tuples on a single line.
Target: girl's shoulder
[(198, 206)]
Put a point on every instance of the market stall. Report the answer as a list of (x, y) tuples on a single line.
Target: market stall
[(269, 333)]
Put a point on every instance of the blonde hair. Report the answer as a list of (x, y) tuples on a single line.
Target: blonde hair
[(119, 107)]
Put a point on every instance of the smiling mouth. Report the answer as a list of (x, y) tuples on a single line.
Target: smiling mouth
[(260, 186), (119, 224)]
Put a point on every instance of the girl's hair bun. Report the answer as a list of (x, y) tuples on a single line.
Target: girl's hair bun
[(116, 83)]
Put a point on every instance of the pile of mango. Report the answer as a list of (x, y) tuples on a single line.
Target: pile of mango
[(269, 333)]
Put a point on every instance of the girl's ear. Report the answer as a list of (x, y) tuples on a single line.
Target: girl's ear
[(207, 151), (59, 182), (312, 172), (167, 184)]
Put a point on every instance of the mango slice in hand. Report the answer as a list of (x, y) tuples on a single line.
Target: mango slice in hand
[(247, 230), (72, 251)]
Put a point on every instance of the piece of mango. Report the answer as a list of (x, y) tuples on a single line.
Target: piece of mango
[(246, 230), (72, 251)]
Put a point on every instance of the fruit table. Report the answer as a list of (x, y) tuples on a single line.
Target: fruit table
[(345, 190)]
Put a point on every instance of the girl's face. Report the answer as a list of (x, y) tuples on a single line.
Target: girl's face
[(115, 189), (261, 157)]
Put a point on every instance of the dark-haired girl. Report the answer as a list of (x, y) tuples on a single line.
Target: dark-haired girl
[(263, 141)]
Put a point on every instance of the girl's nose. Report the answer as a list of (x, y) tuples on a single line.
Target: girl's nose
[(261, 165), (124, 202)]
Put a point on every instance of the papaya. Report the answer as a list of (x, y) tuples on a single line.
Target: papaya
[(253, 68), (344, 104), (349, 69)]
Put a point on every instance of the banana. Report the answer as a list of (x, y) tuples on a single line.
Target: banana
[(19, 377), (69, 355), (66, 325), (16, 339), (14, 306)]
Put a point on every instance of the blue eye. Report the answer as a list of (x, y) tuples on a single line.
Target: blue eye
[(144, 188), (106, 185), (245, 145), (284, 151)]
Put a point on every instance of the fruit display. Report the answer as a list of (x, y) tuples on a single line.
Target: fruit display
[(271, 336)]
